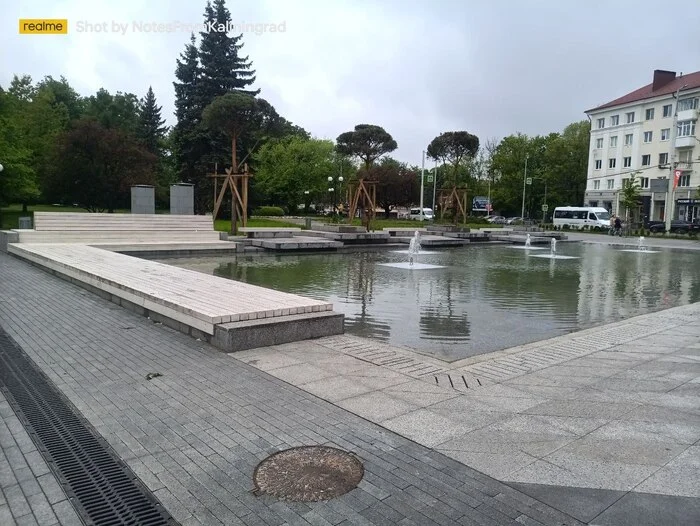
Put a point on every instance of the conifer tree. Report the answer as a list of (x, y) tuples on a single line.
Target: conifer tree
[(151, 129), (223, 69)]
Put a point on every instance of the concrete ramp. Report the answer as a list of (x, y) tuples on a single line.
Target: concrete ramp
[(202, 305)]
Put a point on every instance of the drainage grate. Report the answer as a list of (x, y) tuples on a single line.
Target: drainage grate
[(458, 382), (103, 490)]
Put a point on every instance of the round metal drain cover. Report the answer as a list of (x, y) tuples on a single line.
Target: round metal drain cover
[(308, 474)]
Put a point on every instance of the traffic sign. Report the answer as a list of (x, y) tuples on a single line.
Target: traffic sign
[(545, 208), (528, 180), (430, 178)]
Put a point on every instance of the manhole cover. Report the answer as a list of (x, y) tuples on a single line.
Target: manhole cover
[(308, 474)]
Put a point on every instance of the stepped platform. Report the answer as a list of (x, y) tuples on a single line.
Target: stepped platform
[(297, 243), (268, 232), (229, 314), (88, 228), (436, 241)]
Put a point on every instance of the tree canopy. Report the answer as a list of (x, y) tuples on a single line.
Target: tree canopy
[(366, 142)]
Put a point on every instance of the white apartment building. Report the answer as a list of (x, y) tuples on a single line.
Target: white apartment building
[(632, 134)]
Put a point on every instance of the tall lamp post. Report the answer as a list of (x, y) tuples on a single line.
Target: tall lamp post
[(544, 204), (522, 212), (306, 201), (334, 191)]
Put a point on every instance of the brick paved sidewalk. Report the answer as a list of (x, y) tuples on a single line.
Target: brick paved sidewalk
[(195, 435)]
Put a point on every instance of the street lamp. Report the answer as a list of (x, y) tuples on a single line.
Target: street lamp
[(334, 190), (306, 201), (544, 204), (522, 212)]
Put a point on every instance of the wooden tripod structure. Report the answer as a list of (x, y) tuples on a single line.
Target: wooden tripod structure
[(448, 197), (366, 191), (238, 183)]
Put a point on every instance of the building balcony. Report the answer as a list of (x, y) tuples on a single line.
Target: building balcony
[(686, 142), (687, 115)]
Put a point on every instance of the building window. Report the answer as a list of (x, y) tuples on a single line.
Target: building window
[(613, 141), (650, 114), (611, 184), (628, 139), (643, 182), (598, 164), (630, 117), (687, 104), (663, 158), (614, 120), (685, 156), (627, 162), (684, 180), (665, 134), (668, 110), (601, 123), (596, 184), (647, 136), (611, 163), (646, 160), (686, 128), (599, 142)]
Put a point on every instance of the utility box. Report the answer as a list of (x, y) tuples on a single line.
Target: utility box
[(182, 199), (25, 223), (143, 199)]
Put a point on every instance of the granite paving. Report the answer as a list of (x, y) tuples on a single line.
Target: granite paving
[(195, 434)]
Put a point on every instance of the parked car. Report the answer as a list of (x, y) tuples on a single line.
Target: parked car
[(427, 215), (498, 220), (514, 220), (677, 226)]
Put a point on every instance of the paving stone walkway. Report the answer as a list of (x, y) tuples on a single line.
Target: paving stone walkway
[(195, 434)]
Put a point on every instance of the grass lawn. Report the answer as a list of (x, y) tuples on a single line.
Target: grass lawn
[(224, 225)]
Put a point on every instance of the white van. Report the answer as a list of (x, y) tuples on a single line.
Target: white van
[(580, 216), (427, 214)]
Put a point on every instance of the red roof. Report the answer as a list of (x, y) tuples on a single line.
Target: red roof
[(692, 80)]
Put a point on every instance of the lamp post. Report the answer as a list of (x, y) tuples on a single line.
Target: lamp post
[(670, 190), (544, 213), (522, 212), (306, 201), (334, 191)]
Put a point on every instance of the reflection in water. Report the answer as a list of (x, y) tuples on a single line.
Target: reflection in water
[(486, 298)]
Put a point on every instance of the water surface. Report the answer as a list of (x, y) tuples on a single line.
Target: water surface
[(486, 298)]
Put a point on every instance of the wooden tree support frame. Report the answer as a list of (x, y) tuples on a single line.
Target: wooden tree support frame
[(238, 183), (366, 191), (450, 196)]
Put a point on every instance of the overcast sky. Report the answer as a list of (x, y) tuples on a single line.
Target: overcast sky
[(417, 68)]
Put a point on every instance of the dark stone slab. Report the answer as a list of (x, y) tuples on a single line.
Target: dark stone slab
[(243, 335), (648, 509), (585, 504)]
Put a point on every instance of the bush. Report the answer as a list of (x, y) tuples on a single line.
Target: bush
[(566, 227), (268, 211)]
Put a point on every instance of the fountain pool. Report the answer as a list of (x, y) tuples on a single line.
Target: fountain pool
[(485, 298)]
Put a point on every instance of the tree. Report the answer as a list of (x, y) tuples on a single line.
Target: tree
[(232, 114), (114, 111), (630, 196), (18, 182), (22, 88), (367, 143), (454, 148), (222, 69), (289, 167), (63, 95), (398, 185), (96, 166), (151, 125)]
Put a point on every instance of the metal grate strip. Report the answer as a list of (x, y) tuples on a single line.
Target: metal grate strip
[(101, 486)]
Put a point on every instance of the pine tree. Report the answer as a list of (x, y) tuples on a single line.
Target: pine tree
[(223, 70), (151, 129), (188, 142)]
